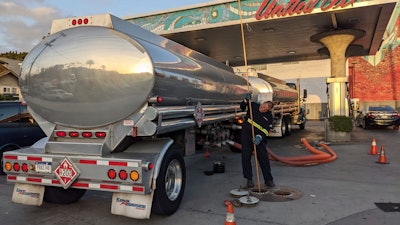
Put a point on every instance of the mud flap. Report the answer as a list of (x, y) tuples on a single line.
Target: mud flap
[(28, 194), (132, 205)]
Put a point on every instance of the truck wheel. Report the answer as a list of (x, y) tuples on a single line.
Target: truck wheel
[(283, 127), (303, 125), (60, 195), (170, 184), (288, 126)]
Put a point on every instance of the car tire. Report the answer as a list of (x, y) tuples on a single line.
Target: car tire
[(364, 124)]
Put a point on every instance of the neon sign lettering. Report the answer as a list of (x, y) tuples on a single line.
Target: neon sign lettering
[(270, 8)]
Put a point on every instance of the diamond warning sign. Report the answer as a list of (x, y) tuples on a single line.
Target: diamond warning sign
[(66, 173)]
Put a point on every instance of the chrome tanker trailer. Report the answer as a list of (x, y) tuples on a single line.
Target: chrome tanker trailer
[(120, 107)]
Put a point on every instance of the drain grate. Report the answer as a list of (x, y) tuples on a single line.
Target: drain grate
[(277, 194)]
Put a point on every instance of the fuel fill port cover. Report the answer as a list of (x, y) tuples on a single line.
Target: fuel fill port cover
[(248, 200), (239, 192)]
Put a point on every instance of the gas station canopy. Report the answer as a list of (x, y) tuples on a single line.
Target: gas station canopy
[(274, 31)]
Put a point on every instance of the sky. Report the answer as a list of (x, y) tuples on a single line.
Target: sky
[(23, 23)]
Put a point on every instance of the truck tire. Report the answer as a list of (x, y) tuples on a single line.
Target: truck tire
[(288, 126), (170, 184), (60, 195)]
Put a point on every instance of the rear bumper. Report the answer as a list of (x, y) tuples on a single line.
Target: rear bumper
[(385, 122), (84, 172)]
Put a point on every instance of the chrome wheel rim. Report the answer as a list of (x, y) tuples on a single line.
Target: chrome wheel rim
[(173, 180)]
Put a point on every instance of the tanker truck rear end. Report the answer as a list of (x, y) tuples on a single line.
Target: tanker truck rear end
[(288, 103), (120, 106)]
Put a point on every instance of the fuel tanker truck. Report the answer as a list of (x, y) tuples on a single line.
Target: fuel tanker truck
[(120, 107)]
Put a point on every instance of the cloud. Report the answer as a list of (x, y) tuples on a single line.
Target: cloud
[(23, 24)]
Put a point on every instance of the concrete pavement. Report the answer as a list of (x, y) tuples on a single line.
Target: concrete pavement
[(337, 193)]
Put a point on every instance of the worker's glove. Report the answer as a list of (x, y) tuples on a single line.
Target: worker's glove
[(248, 96), (257, 139)]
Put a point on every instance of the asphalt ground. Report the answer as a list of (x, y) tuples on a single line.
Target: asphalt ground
[(336, 193)]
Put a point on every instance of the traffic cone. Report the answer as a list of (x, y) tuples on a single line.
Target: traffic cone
[(373, 148), (207, 154), (230, 216), (382, 157)]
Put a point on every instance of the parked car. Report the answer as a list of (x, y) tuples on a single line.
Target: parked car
[(375, 116), (17, 127)]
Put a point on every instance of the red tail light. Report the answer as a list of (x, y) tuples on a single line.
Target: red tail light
[(16, 167), (159, 99), (123, 175), (111, 174), (25, 167)]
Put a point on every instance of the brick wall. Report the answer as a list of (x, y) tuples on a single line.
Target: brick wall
[(380, 82)]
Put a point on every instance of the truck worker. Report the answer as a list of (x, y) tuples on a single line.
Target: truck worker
[(262, 122)]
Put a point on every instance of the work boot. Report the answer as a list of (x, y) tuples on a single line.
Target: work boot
[(250, 184), (270, 183)]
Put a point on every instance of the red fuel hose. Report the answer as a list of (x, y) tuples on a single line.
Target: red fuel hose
[(305, 160)]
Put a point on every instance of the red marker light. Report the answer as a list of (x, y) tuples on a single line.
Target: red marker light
[(73, 22), (151, 166), (86, 21), (159, 99), (73, 134), (87, 134), (79, 21), (61, 133), (100, 134)]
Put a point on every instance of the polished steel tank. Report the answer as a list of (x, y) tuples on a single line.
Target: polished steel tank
[(93, 76)]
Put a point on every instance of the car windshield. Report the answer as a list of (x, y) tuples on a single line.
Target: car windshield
[(381, 108)]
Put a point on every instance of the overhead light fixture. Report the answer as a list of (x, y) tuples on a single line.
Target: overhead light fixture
[(269, 29), (354, 20), (291, 52)]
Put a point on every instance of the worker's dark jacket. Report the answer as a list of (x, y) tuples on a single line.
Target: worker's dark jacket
[(261, 120)]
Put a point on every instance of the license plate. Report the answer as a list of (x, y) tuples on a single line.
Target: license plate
[(384, 117), (43, 167)]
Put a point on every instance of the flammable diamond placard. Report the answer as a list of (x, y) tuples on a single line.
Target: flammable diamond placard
[(66, 173)]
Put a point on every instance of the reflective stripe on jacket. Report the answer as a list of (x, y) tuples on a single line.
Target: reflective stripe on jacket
[(258, 126)]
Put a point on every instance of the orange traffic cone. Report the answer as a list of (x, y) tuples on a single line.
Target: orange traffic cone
[(382, 157), (373, 148), (207, 154), (230, 216)]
